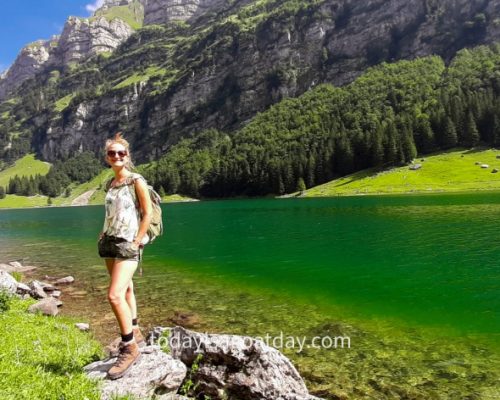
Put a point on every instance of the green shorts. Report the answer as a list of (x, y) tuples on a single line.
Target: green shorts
[(119, 248)]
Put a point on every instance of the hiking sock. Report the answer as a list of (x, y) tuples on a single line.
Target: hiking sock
[(128, 337), (135, 322)]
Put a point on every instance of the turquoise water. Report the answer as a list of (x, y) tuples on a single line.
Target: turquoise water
[(426, 259), (415, 264)]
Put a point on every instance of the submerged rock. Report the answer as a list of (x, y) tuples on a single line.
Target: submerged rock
[(65, 280), (15, 266)]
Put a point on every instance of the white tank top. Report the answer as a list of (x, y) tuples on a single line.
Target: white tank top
[(122, 214)]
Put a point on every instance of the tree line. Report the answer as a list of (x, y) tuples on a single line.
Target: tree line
[(387, 117), (80, 168)]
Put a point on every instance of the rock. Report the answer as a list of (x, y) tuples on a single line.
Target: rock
[(16, 264), (17, 267), (498, 156), (494, 171), (37, 291), (185, 319), (82, 326), (484, 166), (155, 372), (241, 367), (414, 167), (56, 293), (48, 288), (46, 306), (65, 280), (23, 288), (7, 282), (477, 163)]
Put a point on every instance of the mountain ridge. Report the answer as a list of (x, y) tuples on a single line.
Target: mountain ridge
[(219, 69)]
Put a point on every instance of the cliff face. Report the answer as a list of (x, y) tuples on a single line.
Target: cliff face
[(30, 61), (81, 39), (234, 59), (163, 11)]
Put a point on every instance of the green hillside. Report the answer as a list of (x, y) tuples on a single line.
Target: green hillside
[(26, 166), (94, 187), (453, 171), (132, 14)]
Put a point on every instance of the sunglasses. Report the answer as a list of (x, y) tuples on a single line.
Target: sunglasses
[(120, 153)]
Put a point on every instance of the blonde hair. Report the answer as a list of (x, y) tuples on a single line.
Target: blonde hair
[(119, 139)]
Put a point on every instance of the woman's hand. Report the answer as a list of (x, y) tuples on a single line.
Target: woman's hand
[(136, 242)]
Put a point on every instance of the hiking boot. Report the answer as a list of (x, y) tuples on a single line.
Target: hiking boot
[(114, 347), (138, 336), (129, 354)]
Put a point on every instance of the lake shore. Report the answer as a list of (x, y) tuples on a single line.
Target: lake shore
[(371, 342)]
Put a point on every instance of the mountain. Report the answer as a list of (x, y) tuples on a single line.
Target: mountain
[(203, 64)]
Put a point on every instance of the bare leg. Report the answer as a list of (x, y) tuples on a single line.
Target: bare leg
[(121, 276), (130, 295)]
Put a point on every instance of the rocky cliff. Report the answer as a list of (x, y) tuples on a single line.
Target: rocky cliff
[(163, 11), (234, 59), (81, 39), (28, 63)]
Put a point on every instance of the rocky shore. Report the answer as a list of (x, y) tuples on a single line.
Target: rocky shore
[(177, 363)]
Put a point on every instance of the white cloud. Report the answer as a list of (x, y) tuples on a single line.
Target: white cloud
[(94, 6)]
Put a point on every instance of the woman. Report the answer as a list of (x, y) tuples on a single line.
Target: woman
[(128, 214)]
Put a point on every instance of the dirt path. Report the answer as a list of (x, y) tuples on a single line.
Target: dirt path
[(83, 199)]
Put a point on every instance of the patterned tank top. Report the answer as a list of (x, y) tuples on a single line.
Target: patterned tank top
[(122, 217)]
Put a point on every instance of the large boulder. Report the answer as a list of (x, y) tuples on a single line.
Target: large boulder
[(236, 367), (7, 282), (155, 373)]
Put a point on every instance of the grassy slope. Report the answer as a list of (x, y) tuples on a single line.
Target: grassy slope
[(132, 14), (42, 357), (26, 166), (452, 171)]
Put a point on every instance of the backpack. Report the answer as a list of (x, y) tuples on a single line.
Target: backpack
[(155, 228)]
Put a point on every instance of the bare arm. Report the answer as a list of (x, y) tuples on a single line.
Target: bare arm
[(146, 209)]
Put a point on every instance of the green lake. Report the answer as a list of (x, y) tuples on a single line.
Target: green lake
[(413, 281)]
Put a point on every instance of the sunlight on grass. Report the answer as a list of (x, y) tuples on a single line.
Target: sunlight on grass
[(453, 171)]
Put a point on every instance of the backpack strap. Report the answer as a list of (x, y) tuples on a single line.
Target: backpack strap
[(107, 186), (131, 182)]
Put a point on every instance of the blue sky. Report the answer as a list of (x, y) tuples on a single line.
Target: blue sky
[(24, 21)]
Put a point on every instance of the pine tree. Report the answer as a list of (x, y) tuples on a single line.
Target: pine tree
[(408, 148), (377, 148), (496, 131), (2, 192), (449, 138), (391, 146), (301, 186), (471, 134)]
